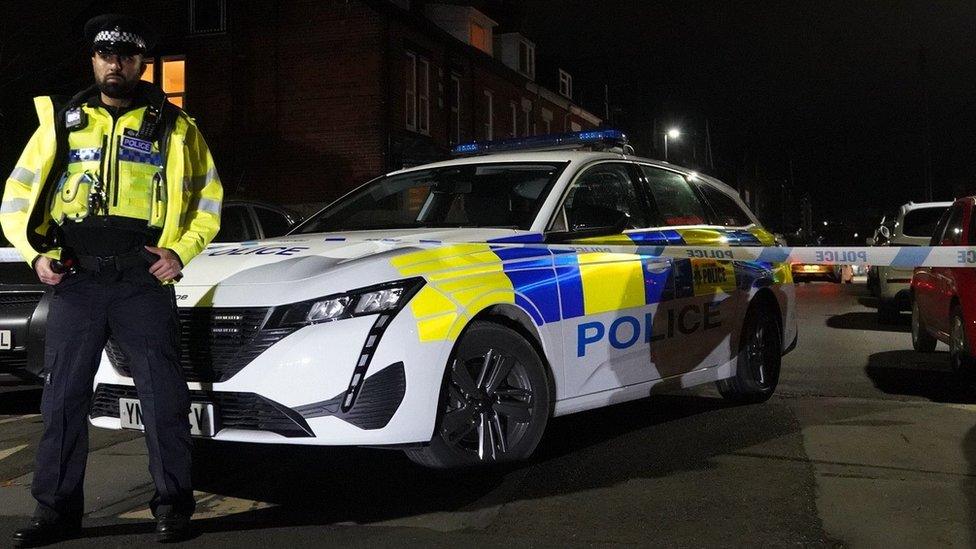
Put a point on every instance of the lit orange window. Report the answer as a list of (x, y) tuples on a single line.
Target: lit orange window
[(479, 38), (148, 74), (174, 79), (171, 76)]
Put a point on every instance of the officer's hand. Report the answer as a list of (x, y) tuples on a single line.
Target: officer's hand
[(167, 267), (43, 269)]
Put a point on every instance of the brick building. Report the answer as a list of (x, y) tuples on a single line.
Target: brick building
[(301, 100)]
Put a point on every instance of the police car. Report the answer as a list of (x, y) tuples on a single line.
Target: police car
[(452, 309)]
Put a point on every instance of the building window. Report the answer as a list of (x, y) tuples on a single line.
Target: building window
[(565, 84), (526, 58), (514, 120), (527, 113), (410, 83), (423, 96), (170, 73), (547, 120), (454, 97), (208, 16), (481, 37), (417, 93), (490, 115)]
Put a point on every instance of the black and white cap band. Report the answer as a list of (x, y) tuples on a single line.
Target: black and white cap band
[(120, 36)]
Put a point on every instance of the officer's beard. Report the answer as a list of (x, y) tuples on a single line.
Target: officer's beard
[(118, 89)]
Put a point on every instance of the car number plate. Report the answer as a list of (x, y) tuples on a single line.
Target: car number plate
[(6, 340), (203, 419)]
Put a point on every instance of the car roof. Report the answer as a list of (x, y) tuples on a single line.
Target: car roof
[(566, 156), (905, 208)]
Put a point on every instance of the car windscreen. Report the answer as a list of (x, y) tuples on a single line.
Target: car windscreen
[(922, 221), (472, 195)]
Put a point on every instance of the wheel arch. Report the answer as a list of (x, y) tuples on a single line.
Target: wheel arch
[(517, 319), (764, 297)]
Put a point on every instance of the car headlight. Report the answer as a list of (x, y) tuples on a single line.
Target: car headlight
[(372, 300)]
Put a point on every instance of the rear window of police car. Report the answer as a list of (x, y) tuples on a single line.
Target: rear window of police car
[(673, 198), (922, 221)]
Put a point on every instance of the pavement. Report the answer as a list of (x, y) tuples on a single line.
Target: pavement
[(866, 444)]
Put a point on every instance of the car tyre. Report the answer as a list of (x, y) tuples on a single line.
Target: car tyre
[(759, 359), (888, 312), (496, 399), (960, 357), (922, 340)]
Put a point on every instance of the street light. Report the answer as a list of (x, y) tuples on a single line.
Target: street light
[(673, 133)]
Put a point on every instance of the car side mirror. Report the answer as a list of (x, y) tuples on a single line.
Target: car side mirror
[(621, 224), (885, 232)]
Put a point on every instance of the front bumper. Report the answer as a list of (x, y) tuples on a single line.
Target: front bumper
[(293, 392), (17, 306)]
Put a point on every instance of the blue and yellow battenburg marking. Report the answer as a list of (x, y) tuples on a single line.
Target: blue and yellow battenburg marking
[(557, 284)]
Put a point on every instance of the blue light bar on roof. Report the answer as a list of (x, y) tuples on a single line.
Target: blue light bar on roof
[(609, 138)]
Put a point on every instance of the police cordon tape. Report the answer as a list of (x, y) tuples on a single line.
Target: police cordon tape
[(906, 257)]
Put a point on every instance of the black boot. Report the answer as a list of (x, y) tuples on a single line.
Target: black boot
[(172, 526), (43, 532)]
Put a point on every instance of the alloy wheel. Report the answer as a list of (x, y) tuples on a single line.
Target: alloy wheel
[(489, 408), (762, 346)]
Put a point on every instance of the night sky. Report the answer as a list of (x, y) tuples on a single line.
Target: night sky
[(838, 86)]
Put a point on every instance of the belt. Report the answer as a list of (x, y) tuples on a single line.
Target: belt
[(118, 263)]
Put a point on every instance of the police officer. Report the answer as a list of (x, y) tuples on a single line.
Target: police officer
[(115, 192)]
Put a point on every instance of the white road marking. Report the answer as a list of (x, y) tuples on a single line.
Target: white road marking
[(18, 418), (4, 454)]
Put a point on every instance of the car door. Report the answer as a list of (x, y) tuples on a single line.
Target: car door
[(608, 298), (925, 281), (938, 313), (698, 321)]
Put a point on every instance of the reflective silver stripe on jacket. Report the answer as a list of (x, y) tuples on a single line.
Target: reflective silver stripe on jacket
[(209, 205), (14, 205), (23, 175)]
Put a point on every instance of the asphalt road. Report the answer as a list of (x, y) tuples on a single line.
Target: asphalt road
[(866, 444)]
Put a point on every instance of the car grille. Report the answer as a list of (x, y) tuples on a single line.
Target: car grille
[(216, 343), (246, 411), (12, 360), (18, 299)]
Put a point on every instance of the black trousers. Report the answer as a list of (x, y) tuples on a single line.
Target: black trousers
[(140, 316)]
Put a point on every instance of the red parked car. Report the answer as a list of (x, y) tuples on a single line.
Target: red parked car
[(944, 298)]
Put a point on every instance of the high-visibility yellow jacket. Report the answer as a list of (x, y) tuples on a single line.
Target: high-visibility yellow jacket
[(181, 193)]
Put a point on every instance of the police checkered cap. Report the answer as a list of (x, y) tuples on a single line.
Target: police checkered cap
[(115, 30), (115, 35)]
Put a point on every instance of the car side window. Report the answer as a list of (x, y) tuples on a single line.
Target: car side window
[(953, 232), (600, 195), (727, 211), (235, 225), (272, 223), (972, 227), (673, 198), (940, 228)]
